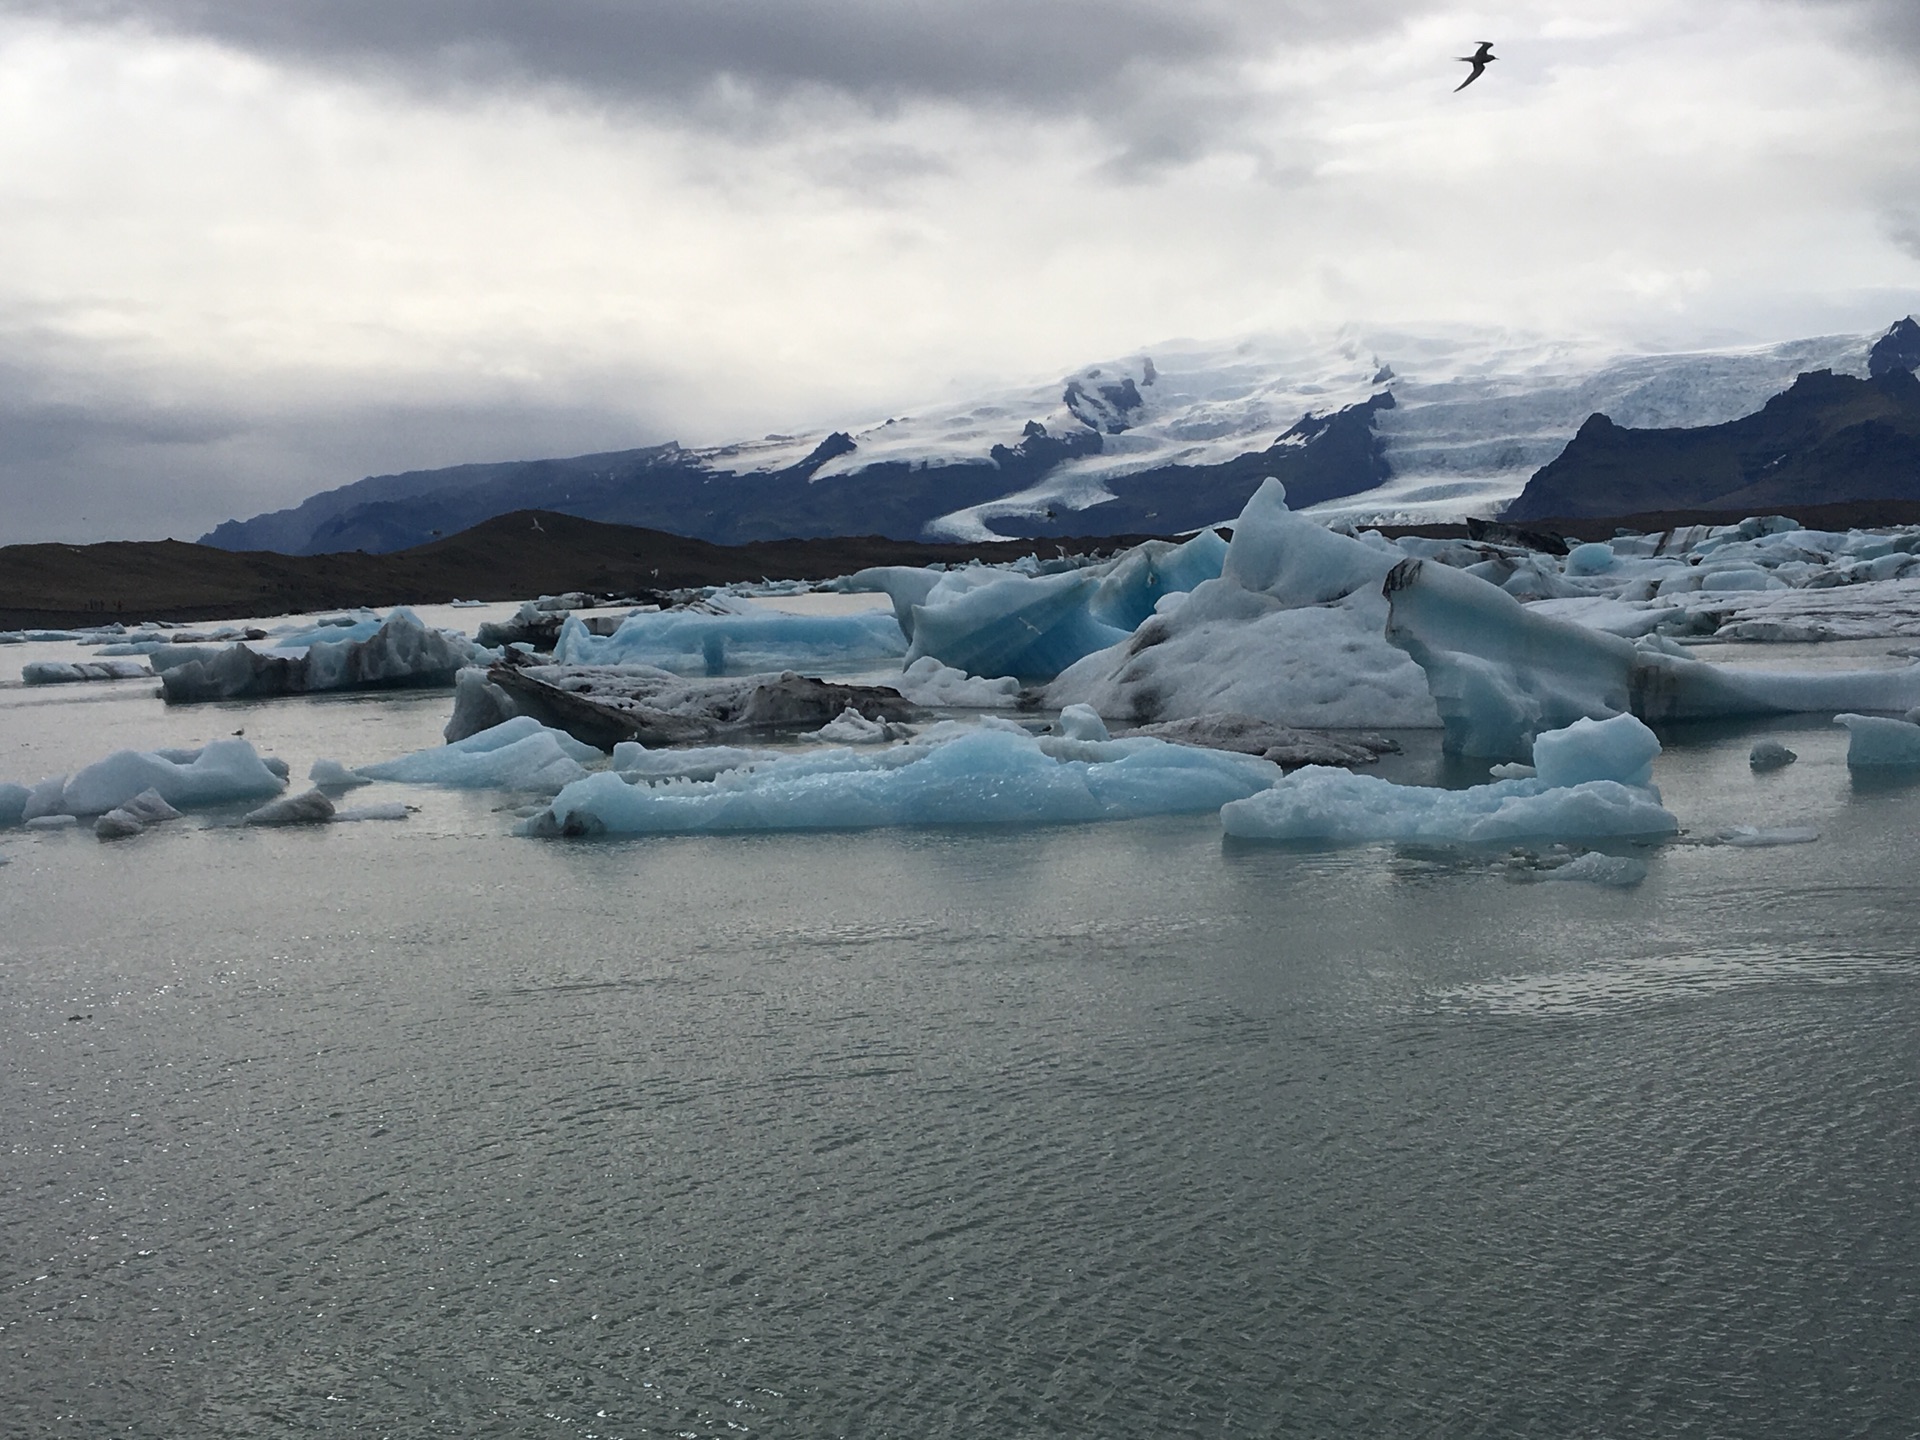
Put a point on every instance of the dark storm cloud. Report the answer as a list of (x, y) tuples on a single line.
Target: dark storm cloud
[(1043, 54)]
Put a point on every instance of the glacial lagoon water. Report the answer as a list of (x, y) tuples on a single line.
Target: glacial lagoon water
[(419, 1129)]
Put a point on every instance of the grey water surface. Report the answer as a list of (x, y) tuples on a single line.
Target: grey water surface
[(419, 1129)]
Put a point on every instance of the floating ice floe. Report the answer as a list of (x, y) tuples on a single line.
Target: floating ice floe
[(518, 754), (310, 807), (1500, 673), (1755, 837), (1769, 755), (1591, 782), (992, 773), (68, 672), (1598, 868), (401, 653), (1880, 741), (688, 642), (224, 772), (1291, 632)]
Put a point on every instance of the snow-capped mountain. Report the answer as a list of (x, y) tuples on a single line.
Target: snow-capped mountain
[(1376, 425)]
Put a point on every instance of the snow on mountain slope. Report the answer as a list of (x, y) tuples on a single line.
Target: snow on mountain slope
[(1477, 413)]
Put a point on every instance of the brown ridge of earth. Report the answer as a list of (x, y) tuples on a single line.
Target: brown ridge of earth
[(510, 557)]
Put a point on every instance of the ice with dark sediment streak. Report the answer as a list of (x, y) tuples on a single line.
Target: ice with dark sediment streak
[(69, 672), (221, 773), (310, 807), (991, 773), (1591, 781), (1282, 744), (1501, 674), (517, 754), (402, 653)]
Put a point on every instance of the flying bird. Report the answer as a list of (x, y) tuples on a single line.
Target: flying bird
[(1479, 60)]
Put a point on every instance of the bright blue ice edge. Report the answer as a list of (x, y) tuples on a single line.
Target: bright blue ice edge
[(1593, 784), (953, 775), (690, 643)]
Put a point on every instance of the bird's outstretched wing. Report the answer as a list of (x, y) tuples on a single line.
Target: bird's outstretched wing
[(1478, 60)]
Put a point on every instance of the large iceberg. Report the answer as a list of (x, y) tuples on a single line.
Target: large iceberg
[(1592, 784), (694, 642), (401, 653), (993, 773), (1876, 742), (1501, 673), (519, 754), (1291, 632)]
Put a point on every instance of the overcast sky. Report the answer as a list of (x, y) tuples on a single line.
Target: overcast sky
[(250, 249)]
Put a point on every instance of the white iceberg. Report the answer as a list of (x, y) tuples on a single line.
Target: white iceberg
[(1606, 796), (518, 754), (850, 727), (988, 774), (1291, 632)]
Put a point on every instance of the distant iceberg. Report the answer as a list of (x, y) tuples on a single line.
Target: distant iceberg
[(399, 653)]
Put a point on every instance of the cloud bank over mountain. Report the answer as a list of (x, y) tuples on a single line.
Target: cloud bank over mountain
[(253, 251)]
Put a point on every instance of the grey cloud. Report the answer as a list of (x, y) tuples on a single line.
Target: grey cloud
[(1049, 56)]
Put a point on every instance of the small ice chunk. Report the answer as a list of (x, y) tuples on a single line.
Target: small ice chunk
[(1770, 755), (1621, 749), (390, 810), (1755, 837), (61, 672), (927, 682), (1591, 559), (1597, 868), (150, 807), (311, 807), (1081, 722), (53, 822), (118, 825), (635, 761), (850, 727), (332, 775), (1877, 741), (1512, 770)]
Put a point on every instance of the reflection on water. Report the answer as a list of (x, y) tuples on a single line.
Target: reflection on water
[(420, 1129)]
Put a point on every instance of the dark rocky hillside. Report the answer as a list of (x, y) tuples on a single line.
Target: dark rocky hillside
[(1828, 439)]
